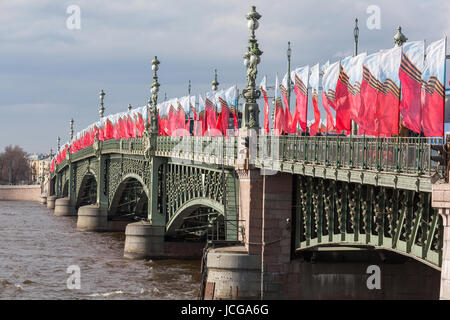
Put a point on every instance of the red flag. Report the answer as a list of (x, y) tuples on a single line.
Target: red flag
[(173, 119), (140, 125), (181, 117), (387, 116), (263, 87), (301, 76), (326, 106), (343, 121), (433, 90), (101, 133), (195, 133), (202, 122), (314, 83), (279, 125), (287, 113), (370, 86), (210, 117), (314, 129), (329, 84), (161, 126), (410, 77), (224, 116)]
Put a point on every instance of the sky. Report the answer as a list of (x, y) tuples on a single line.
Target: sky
[(50, 73)]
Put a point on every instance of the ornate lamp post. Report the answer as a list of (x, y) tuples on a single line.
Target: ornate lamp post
[(71, 129), (251, 60), (153, 126), (215, 84), (102, 108), (356, 35), (399, 38)]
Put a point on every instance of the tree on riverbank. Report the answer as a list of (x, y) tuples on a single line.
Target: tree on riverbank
[(14, 165)]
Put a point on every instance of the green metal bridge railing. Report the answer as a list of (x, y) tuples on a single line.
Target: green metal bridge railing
[(396, 155)]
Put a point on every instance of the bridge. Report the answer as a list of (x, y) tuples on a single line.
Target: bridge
[(296, 205)]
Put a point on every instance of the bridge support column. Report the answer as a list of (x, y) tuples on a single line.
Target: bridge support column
[(144, 240), (235, 273), (92, 218), (71, 189), (155, 217), (43, 199), (63, 207), (441, 201), (51, 202), (102, 199)]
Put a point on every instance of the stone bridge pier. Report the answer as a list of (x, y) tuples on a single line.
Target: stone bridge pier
[(441, 201)]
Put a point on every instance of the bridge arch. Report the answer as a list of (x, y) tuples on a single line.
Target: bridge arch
[(346, 214), (87, 189), (130, 197), (191, 208)]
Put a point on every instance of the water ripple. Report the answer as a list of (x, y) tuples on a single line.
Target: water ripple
[(36, 248)]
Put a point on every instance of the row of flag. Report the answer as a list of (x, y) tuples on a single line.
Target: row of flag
[(211, 119), (372, 90), (403, 85)]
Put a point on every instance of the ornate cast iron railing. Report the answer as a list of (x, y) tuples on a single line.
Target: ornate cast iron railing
[(396, 155), (332, 212), (211, 150)]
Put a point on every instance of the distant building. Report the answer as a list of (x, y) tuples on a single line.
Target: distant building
[(40, 167)]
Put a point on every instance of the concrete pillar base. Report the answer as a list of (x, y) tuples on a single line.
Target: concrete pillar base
[(63, 207), (232, 274), (143, 241), (43, 199), (441, 201), (92, 218), (51, 202)]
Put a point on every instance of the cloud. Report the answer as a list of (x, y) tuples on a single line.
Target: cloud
[(45, 64)]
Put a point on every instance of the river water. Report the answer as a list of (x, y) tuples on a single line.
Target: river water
[(37, 248)]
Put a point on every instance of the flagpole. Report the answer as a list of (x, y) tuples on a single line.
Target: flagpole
[(399, 39), (445, 81), (289, 51), (354, 128)]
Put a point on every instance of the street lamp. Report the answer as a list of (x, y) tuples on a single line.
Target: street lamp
[(251, 60), (356, 35), (399, 38), (215, 84), (102, 108), (151, 110), (71, 129)]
